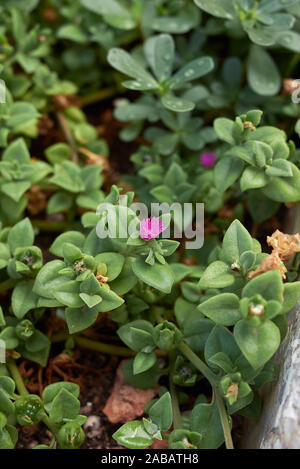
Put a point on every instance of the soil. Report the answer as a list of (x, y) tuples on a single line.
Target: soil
[(98, 382)]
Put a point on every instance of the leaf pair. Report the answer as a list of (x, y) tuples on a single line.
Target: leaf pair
[(159, 52)]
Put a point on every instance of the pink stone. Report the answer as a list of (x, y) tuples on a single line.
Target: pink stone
[(125, 402)]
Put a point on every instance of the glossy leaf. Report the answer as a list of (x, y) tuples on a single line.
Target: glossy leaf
[(157, 276), (133, 435), (161, 412), (236, 241), (258, 343), (205, 419), (216, 275), (223, 309), (219, 8), (195, 69), (263, 75), (159, 51)]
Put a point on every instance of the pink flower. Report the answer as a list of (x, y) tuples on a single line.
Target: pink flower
[(42, 38), (208, 159), (150, 228)]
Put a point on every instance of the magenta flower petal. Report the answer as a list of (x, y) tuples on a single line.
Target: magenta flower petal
[(208, 159), (150, 228)]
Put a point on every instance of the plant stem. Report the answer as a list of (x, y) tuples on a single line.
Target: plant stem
[(198, 363), (68, 135), (104, 348), (47, 187), (98, 96), (177, 422), (8, 284), (53, 443), (94, 345), (156, 313), (212, 378), (49, 424), (16, 375), (90, 344), (60, 336), (47, 225), (224, 419)]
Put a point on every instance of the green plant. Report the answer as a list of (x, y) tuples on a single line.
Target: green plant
[(159, 53), (236, 364), (167, 16), (58, 410), (266, 154), (266, 23), (208, 115)]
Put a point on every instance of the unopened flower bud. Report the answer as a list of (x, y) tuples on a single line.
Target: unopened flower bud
[(249, 125), (167, 336), (29, 410), (70, 436), (184, 439), (25, 329), (232, 393)]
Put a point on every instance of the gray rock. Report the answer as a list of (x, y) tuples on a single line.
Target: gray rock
[(279, 426)]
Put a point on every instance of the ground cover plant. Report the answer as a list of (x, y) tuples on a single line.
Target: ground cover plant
[(110, 103)]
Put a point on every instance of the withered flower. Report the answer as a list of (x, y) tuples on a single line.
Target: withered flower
[(93, 158), (101, 278), (233, 391), (284, 244), (289, 85), (272, 262), (249, 125)]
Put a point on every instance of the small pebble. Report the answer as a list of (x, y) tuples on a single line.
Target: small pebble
[(92, 423), (94, 434)]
